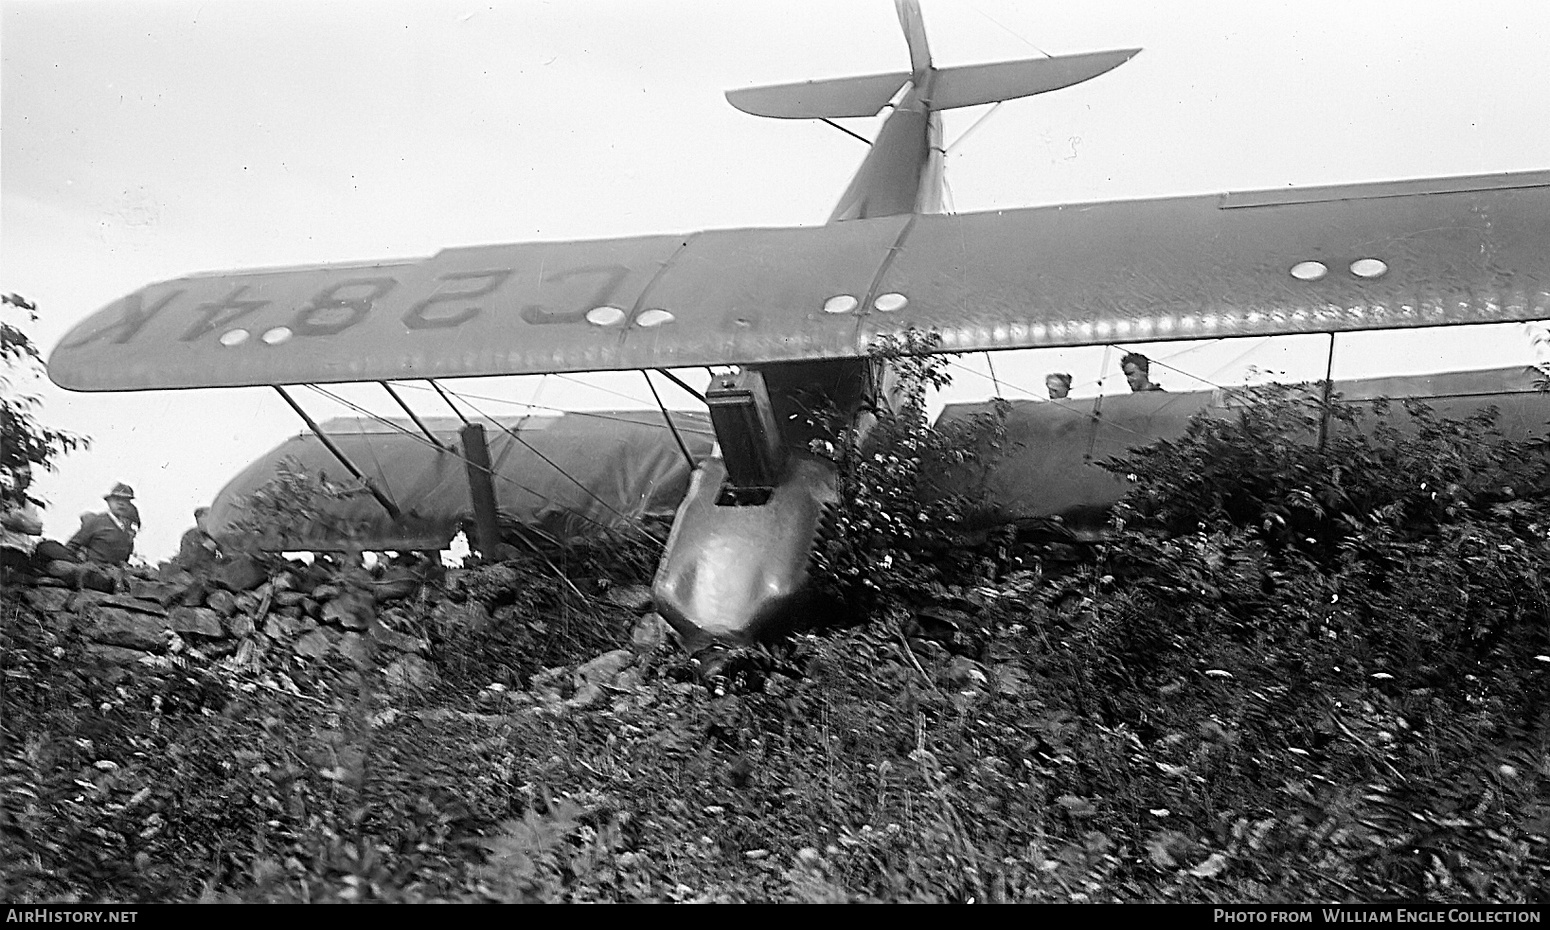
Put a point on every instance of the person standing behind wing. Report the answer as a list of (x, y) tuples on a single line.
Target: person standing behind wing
[(1137, 368)]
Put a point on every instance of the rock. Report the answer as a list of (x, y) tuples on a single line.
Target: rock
[(135, 604), (586, 696), (650, 632), (326, 592), (282, 624), (162, 592), (86, 600), (286, 598), (200, 621), (396, 583), (356, 648), (222, 602), (313, 645), (116, 627), (549, 683), (239, 626), (46, 600), (194, 594), (941, 624), (964, 673), (636, 597), (172, 571), (603, 669), (115, 655), (351, 611), (240, 573), (392, 639), (411, 672)]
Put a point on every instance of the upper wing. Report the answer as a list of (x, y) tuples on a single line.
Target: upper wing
[(1373, 256)]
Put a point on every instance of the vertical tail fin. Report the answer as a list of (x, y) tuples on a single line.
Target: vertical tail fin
[(914, 34)]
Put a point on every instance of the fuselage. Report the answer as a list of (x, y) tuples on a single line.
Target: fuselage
[(740, 572)]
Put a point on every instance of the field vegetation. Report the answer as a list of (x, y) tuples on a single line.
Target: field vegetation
[(1289, 674)]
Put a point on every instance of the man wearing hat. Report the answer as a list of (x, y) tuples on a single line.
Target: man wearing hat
[(109, 537)]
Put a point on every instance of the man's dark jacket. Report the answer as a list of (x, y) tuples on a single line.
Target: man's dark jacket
[(101, 540)]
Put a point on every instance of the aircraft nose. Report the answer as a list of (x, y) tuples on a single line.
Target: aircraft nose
[(710, 590)]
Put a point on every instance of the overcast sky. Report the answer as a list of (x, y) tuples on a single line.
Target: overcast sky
[(142, 141)]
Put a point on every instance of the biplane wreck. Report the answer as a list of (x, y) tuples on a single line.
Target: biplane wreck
[(795, 310)]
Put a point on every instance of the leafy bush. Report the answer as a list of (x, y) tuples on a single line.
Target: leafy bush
[(295, 504), (27, 442), (907, 489), (1363, 629)]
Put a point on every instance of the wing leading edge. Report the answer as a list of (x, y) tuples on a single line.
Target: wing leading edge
[(1391, 255)]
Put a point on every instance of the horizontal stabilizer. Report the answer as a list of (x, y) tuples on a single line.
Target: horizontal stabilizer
[(973, 85), (1393, 255), (831, 99)]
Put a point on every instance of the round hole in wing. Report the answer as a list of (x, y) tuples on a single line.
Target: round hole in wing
[(653, 318), (888, 303), (277, 335), (1309, 271), (840, 303), (605, 316), (1369, 267), (234, 337)]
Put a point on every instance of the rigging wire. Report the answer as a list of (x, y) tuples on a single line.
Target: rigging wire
[(522, 531), (1163, 361), (1071, 410), (853, 135), (461, 457), (570, 413), (973, 126), (688, 459), (1010, 32), (629, 521)]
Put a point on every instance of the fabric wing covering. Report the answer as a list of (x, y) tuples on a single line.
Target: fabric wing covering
[(609, 469), (1397, 254), (1053, 449)]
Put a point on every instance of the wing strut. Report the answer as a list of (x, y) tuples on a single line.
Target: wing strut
[(443, 392), (669, 418), (680, 382), (1329, 385), (417, 421), (338, 453)]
